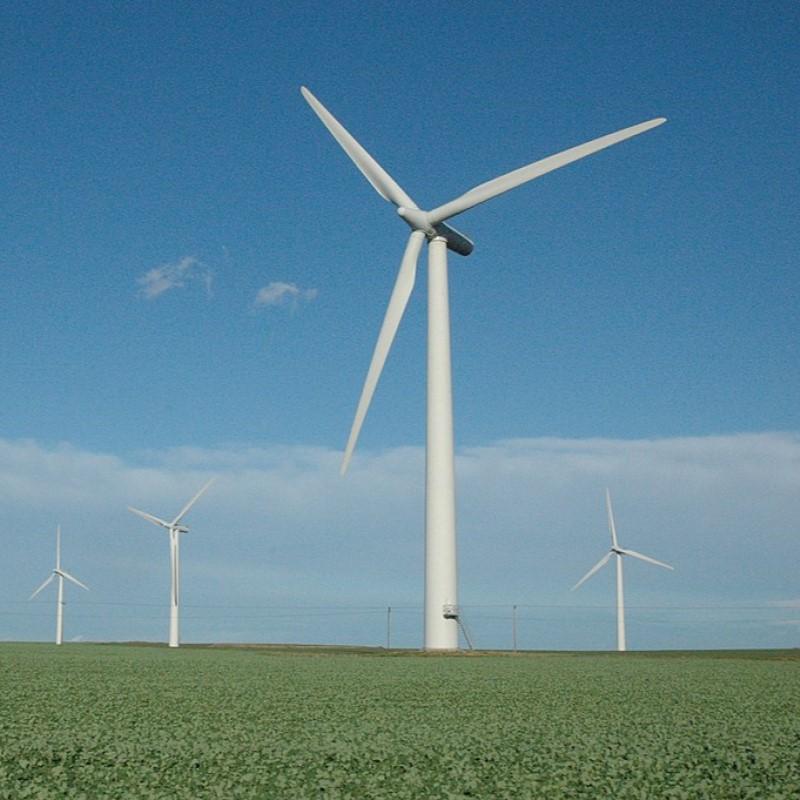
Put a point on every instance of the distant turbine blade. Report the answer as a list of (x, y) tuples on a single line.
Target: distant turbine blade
[(149, 517), (192, 502), (611, 526), (601, 563), (58, 546), (493, 188), (381, 181), (74, 580), (42, 586), (645, 558), (403, 287)]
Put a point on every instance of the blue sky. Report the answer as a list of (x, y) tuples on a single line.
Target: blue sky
[(193, 275)]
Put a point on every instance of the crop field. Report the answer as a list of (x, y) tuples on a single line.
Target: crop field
[(117, 721)]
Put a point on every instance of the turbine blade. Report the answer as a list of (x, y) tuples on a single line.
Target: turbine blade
[(645, 558), (149, 517), (601, 563), (611, 526), (381, 181), (403, 287), (74, 580), (58, 546), (52, 575), (493, 188), (192, 502)]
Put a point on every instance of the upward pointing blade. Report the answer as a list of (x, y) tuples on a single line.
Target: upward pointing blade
[(493, 188), (403, 287), (611, 526), (645, 558), (381, 181), (191, 502), (597, 566)]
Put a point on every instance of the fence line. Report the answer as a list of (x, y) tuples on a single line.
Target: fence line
[(507, 626)]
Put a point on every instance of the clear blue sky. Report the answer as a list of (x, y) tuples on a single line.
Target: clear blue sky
[(193, 275)]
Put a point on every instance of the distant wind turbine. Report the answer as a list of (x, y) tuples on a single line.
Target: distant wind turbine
[(619, 552), (60, 574), (441, 584), (174, 529)]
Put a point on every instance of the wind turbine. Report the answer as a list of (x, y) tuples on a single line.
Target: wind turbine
[(619, 552), (441, 601), (174, 529), (60, 574)]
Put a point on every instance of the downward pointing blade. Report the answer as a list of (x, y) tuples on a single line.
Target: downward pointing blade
[(601, 563), (74, 580), (645, 558), (493, 188), (403, 287), (192, 502), (42, 586), (149, 517), (381, 181)]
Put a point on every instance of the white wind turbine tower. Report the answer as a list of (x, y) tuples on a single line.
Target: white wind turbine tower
[(441, 601), (619, 552), (174, 529), (60, 574)]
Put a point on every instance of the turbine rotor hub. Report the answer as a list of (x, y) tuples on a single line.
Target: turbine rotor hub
[(417, 220)]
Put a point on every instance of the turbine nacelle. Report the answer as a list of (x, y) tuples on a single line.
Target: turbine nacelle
[(419, 220)]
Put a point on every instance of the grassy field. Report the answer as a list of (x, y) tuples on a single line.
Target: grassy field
[(115, 721)]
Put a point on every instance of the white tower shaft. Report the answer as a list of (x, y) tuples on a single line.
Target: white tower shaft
[(60, 611), (174, 559), (620, 607), (441, 580)]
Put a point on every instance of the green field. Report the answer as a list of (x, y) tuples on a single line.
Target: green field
[(115, 721)]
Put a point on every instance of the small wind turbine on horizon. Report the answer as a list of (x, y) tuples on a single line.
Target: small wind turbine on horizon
[(441, 584), (619, 552), (61, 574), (174, 529)]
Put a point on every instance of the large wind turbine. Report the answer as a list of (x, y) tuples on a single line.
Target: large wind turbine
[(60, 574), (174, 529), (619, 552), (441, 601)]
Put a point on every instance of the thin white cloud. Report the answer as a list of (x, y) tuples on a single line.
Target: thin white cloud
[(279, 293), (792, 603), (176, 275), (281, 527)]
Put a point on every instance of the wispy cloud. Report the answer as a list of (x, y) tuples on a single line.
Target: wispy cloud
[(176, 275), (280, 293), (792, 603), (281, 527)]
